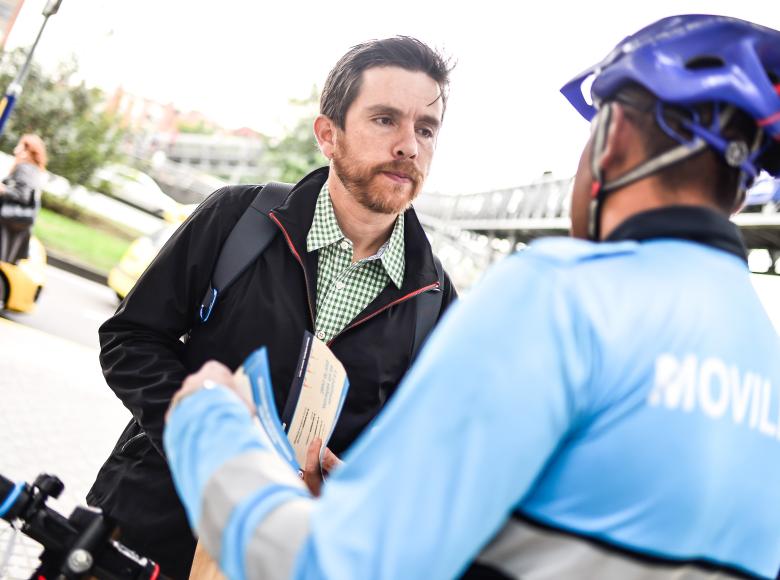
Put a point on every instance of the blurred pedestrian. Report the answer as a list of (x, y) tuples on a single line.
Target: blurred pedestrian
[(20, 198)]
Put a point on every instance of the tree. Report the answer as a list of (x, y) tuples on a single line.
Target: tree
[(296, 153), (79, 137), (197, 127)]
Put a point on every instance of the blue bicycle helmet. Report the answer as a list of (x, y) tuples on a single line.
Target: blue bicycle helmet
[(687, 61), (693, 59)]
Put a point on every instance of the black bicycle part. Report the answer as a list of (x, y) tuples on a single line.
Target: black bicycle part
[(76, 547)]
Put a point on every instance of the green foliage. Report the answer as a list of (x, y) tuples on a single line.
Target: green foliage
[(78, 213), (199, 128), (79, 137), (296, 153)]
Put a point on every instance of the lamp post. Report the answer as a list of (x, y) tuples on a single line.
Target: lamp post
[(15, 88)]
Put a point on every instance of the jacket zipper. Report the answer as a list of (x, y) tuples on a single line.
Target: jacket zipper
[(434, 286), (132, 439), (300, 261)]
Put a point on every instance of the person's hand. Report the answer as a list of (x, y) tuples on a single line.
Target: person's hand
[(211, 373), (313, 472)]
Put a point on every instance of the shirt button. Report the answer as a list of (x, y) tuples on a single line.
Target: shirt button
[(339, 285), (345, 245), (321, 334)]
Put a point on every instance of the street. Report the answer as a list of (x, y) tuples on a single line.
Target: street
[(70, 307)]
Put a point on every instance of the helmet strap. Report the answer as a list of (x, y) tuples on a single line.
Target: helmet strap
[(597, 194), (760, 145), (594, 211), (656, 164), (702, 139)]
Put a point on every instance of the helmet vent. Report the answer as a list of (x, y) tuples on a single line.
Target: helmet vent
[(704, 62)]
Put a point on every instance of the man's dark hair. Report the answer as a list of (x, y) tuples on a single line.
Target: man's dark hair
[(707, 171), (345, 79)]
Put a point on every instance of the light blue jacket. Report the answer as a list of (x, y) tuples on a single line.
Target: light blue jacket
[(622, 396)]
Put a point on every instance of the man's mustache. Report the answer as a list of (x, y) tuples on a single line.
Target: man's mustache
[(405, 167)]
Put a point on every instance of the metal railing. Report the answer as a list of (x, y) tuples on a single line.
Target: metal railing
[(542, 208), (471, 231)]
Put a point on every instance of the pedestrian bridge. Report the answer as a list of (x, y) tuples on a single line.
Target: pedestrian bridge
[(471, 231), (520, 214)]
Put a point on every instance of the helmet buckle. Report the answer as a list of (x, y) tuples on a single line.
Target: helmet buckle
[(736, 153)]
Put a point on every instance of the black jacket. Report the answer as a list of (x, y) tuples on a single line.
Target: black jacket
[(144, 360)]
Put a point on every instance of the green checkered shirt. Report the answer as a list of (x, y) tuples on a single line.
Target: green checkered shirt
[(344, 289)]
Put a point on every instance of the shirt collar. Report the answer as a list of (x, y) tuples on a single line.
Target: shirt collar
[(393, 258), (325, 231), (695, 223)]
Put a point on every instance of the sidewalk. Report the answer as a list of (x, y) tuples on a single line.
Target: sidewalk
[(58, 416)]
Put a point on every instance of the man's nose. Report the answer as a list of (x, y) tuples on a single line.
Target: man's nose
[(406, 146)]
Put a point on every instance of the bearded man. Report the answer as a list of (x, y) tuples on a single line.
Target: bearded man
[(350, 266)]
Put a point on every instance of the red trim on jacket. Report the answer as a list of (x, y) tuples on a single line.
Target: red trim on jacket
[(365, 318), (300, 261), (385, 307)]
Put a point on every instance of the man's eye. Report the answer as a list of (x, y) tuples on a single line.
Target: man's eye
[(384, 121), (425, 132)]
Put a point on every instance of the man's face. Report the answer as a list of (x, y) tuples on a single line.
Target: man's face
[(384, 153)]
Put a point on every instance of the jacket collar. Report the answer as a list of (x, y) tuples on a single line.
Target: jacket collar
[(296, 215), (694, 223)]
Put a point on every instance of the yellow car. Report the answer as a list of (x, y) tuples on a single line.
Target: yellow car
[(21, 283), (136, 258), (142, 251)]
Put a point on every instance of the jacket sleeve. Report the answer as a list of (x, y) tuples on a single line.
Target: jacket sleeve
[(141, 347), (498, 386)]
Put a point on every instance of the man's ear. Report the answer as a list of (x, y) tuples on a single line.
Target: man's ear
[(325, 133), (613, 152)]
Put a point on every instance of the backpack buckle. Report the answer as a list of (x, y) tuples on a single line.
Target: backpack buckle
[(208, 304)]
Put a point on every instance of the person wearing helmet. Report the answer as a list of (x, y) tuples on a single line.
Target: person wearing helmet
[(596, 408)]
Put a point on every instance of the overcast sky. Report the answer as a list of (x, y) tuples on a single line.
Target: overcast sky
[(240, 61)]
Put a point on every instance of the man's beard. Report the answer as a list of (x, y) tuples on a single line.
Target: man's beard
[(385, 197)]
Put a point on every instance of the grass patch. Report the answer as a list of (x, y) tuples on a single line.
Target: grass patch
[(79, 241), (77, 213)]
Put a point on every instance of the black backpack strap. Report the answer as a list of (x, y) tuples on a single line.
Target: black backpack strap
[(428, 309), (252, 233)]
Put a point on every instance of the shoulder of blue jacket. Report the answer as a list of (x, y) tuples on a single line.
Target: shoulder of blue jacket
[(570, 251)]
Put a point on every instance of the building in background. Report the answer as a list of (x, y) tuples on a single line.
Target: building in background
[(186, 152), (141, 115), (232, 157)]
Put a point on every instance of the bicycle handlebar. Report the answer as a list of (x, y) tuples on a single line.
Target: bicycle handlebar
[(79, 546)]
